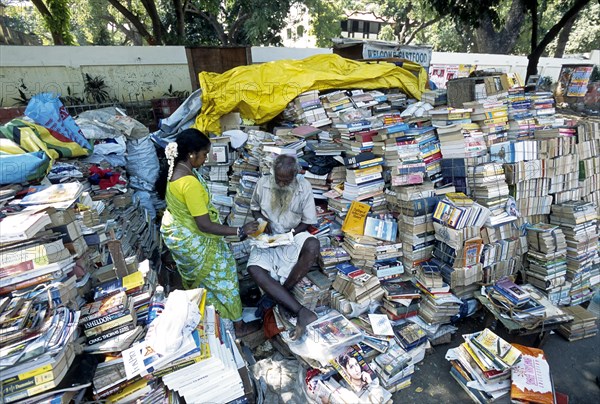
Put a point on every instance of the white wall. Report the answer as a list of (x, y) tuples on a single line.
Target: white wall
[(131, 73), (505, 63), (146, 72)]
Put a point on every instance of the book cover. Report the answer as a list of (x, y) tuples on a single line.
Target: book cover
[(531, 381), (354, 369), (110, 305), (386, 230), (354, 222), (409, 335), (496, 348)]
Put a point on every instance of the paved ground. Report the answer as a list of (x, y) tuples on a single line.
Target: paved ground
[(574, 366)]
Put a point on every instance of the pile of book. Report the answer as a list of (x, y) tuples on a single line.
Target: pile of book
[(584, 324), (578, 221), (330, 257), (37, 342), (313, 290), (216, 173), (482, 365), (438, 305), (355, 287), (515, 301), (400, 300), (546, 256), (588, 142)]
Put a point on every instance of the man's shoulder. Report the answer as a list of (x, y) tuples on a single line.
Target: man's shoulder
[(304, 183), (264, 181)]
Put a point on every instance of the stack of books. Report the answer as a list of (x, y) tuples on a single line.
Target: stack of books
[(308, 294), (588, 142), (369, 252), (584, 324), (108, 318), (435, 97), (330, 257), (356, 285), (482, 365), (394, 368), (415, 227), (308, 109), (400, 300), (546, 255), (438, 305), (578, 221)]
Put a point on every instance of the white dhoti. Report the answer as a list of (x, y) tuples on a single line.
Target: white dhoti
[(280, 260)]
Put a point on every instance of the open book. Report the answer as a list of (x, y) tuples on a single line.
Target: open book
[(272, 240)]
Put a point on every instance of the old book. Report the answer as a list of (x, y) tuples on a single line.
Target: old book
[(354, 222)]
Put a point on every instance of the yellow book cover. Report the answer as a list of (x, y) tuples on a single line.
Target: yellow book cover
[(366, 171), (498, 347), (127, 391), (354, 222), (133, 280)]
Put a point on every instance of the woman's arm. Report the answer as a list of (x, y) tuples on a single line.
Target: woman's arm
[(207, 226)]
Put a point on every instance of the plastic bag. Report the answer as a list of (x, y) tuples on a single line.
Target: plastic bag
[(48, 111), (18, 168), (142, 161), (185, 115)]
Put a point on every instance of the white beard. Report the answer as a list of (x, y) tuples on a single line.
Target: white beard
[(281, 197)]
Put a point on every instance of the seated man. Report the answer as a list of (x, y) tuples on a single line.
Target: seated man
[(285, 200)]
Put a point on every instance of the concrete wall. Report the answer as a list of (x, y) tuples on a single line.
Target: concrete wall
[(131, 73), (146, 72)]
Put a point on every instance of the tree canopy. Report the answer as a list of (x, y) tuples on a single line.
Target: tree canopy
[(536, 28)]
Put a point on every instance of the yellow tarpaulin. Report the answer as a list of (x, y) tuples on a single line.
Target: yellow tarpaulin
[(261, 92)]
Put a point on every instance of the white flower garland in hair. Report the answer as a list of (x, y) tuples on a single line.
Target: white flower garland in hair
[(171, 153)]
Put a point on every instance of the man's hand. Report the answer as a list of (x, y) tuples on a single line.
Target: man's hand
[(268, 229)]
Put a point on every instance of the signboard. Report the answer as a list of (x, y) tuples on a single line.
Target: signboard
[(418, 54)]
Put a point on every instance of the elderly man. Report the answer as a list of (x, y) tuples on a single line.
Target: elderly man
[(286, 202)]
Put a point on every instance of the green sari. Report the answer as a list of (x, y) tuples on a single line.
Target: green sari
[(203, 260)]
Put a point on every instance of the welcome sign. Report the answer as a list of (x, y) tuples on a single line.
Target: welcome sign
[(418, 54)]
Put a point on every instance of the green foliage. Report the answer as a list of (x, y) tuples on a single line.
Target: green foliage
[(23, 99), (59, 20), (326, 17), (95, 89), (469, 12), (176, 93), (71, 99)]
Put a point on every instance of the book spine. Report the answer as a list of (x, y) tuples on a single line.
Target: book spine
[(99, 314), (29, 392), (104, 319), (28, 374), (110, 334), (115, 389), (20, 385), (107, 326)]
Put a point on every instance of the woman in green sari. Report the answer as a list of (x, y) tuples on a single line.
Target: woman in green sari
[(193, 232)]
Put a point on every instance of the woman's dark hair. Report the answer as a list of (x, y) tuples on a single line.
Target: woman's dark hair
[(343, 360), (188, 141)]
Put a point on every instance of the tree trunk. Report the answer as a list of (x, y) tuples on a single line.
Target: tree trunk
[(534, 56), (57, 37), (180, 18), (157, 28), (488, 40), (563, 37), (135, 21)]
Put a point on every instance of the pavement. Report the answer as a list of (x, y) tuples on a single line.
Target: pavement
[(574, 367)]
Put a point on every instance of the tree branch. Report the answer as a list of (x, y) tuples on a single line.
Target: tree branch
[(157, 27), (135, 21), (180, 17), (421, 27), (192, 9), (535, 54)]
